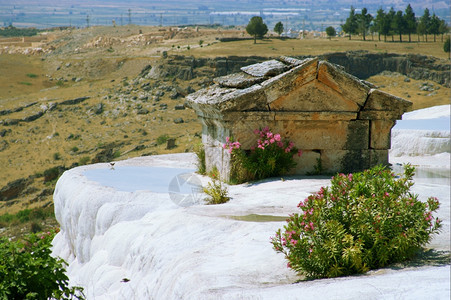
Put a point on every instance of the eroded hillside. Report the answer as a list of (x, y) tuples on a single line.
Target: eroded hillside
[(103, 94)]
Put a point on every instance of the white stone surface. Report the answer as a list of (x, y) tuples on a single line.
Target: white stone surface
[(199, 252)]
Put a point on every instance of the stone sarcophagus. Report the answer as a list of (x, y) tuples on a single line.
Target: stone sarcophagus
[(330, 115)]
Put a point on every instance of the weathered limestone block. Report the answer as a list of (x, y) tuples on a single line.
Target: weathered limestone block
[(306, 163), (320, 98), (345, 84), (279, 86), (357, 135), (380, 134), (345, 161), (238, 80), (382, 101), (378, 157), (267, 68)]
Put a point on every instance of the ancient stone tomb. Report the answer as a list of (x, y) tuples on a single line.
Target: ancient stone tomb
[(329, 114)]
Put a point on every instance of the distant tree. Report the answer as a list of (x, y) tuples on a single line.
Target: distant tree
[(410, 21), (363, 22), (330, 31), (350, 26), (443, 28), (434, 26), (256, 28), (378, 23), (389, 19), (446, 45), (278, 28), (425, 23), (398, 24)]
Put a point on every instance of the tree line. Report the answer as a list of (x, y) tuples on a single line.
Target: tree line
[(12, 31), (394, 23)]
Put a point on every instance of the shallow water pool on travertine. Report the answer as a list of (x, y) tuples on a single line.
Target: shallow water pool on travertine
[(154, 179)]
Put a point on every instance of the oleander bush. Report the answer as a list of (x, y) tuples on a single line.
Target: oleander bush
[(28, 271), (271, 156), (363, 221)]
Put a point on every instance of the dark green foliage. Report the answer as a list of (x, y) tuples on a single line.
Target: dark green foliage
[(278, 28), (410, 21), (35, 215), (350, 26), (53, 173), (12, 31), (162, 139), (199, 150), (363, 22), (363, 221), (446, 45), (28, 271), (256, 28), (330, 31)]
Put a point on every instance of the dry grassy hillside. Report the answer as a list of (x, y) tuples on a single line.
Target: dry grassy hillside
[(83, 98)]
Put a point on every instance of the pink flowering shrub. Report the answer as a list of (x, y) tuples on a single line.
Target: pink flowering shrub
[(271, 156), (362, 221)]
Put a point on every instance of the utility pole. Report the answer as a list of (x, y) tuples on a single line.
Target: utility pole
[(161, 19), (129, 16), (87, 20)]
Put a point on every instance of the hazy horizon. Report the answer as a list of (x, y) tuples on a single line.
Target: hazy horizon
[(308, 14)]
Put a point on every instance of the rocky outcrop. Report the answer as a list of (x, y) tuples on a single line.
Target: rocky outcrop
[(361, 64)]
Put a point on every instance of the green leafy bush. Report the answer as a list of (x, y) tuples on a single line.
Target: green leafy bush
[(28, 271), (162, 139), (271, 157), (199, 150), (217, 191), (363, 221)]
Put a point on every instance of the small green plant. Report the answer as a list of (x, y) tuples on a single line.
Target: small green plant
[(60, 83), (110, 49), (56, 156), (199, 150), (29, 271), (25, 83), (201, 42), (188, 47), (216, 189), (74, 149), (84, 160), (271, 157), (31, 75), (363, 221), (162, 139), (318, 167)]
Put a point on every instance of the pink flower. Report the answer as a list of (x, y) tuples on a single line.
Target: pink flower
[(272, 141), (280, 144), (256, 131), (277, 137), (227, 139), (311, 250), (288, 265), (299, 152), (294, 242)]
